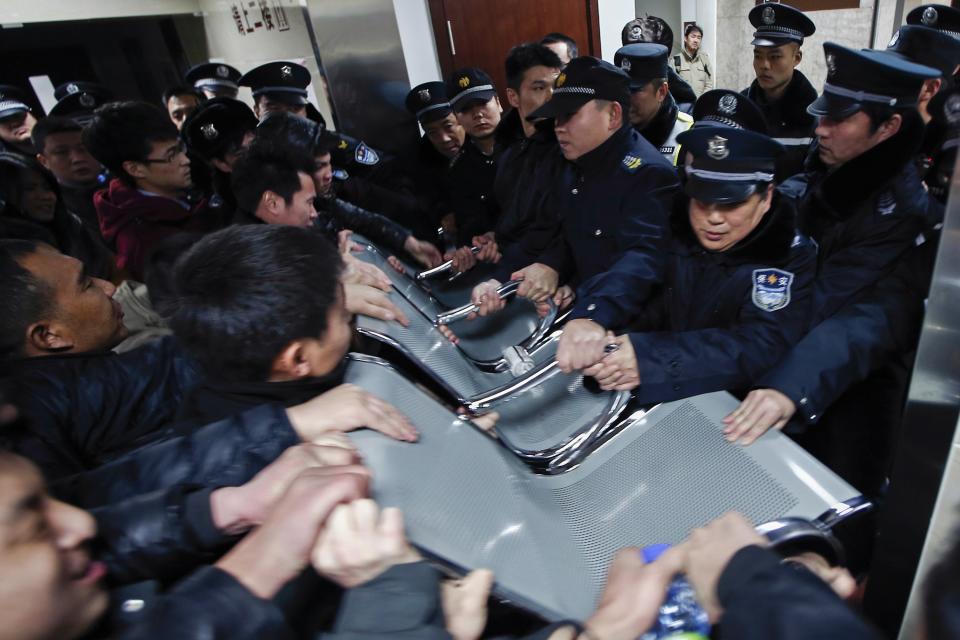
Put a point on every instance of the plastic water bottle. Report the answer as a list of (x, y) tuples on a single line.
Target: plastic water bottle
[(681, 617)]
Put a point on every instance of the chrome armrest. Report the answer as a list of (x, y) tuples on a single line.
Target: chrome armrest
[(503, 292), (442, 269)]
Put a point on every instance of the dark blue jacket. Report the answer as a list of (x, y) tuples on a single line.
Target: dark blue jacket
[(469, 185), (614, 205), (722, 319)]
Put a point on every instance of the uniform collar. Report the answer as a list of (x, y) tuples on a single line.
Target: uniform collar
[(608, 154), (660, 127)]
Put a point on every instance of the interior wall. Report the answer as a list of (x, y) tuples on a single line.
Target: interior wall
[(668, 10), (416, 38), (23, 11), (613, 15)]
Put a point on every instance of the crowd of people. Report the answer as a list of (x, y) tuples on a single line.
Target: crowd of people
[(179, 283)]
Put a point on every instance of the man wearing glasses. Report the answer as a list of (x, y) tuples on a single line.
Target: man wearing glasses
[(144, 203)]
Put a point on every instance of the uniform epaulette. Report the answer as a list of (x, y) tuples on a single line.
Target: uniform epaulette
[(631, 162)]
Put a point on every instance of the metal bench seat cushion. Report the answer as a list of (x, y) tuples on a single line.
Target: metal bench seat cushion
[(549, 539)]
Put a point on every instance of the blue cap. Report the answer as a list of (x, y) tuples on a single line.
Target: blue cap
[(643, 62), (937, 16), (857, 78), (213, 74), (469, 86), (777, 24), (287, 81), (584, 79), (727, 108), (728, 163), (428, 102), (927, 46), (12, 101)]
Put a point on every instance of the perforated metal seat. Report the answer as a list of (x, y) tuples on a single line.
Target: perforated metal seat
[(471, 503)]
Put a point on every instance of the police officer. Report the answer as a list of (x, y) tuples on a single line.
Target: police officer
[(931, 48), (78, 100), (278, 86), (736, 293), (215, 133), (936, 16), (16, 121), (613, 201), (780, 90), (693, 64), (864, 204), (657, 31), (653, 111), (214, 79), (470, 178)]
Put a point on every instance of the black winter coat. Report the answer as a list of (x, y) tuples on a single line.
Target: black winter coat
[(614, 205), (722, 319), (788, 121), (469, 185)]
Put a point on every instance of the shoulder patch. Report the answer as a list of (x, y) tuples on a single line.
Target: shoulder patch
[(886, 203), (340, 174), (631, 162), (771, 289), (365, 155)]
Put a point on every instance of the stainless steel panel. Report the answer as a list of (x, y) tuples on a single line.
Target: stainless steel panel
[(361, 54)]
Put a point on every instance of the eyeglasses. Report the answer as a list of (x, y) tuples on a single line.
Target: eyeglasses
[(170, 157)]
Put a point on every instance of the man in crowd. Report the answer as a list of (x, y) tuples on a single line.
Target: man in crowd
[(61, 151), (692, 64), (278, 86), (780, 90), (561, 44), (180, 102), (16, 121), (653, 111)]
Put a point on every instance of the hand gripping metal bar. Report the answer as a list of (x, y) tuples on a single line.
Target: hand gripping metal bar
[(442, 269)]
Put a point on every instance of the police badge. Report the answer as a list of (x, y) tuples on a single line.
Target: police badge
[(769, 16), (286, 71), (831, 65), (222, 71), (464, 82), (625, 64), (87, 100), (366, 156), (771, 289), (72, 88), (929, 17), (209, 131), (951, 109), (717, 148), (424, 95), (728, 104), (561, 79)]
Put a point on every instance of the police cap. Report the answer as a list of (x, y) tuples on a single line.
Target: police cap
[(216, 125), (937, 16), (728, 163), (213, 74), (727, 108), (647, 29), (857, 78), (78, 100), (428, 102), (469, 86), (643, 62), (927, 46), (777, 24), (282, 80), (586, 78), (12, 101)]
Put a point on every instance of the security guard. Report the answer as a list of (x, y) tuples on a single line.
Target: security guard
[(613, 202), (214, 79), (278, 86), (692, 63), (16, 121), (78, 100), (215, 133), (931, 48), (780, 90), (726, 108), (738, 281), (865, 206), (653, 111), (470, 177)]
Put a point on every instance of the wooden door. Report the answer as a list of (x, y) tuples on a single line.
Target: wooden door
[(480, 33)]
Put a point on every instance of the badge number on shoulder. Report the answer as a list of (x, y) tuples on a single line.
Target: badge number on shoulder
[(771, 289)]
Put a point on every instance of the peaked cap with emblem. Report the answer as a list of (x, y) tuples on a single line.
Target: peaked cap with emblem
[(868, 76), (217, 124), (469, 86), (728, 164), (944, 110), (213, 74), (428, 102), (78, 100), (777, 24), (584, 79), (937, 16), (727, 108), (285, 81), (927, 46), (643, 62), (13, 100)]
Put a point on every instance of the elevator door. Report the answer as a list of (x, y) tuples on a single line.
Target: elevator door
[(479, 33)]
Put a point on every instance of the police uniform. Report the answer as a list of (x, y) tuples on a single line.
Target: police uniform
[(281, 81), (214, 79), (865, 216), (683, 94), (722, 318), (471, 174), (787, 117), (644, 62), (941, 51), (13, 102), (78, 100), (613, 205)]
